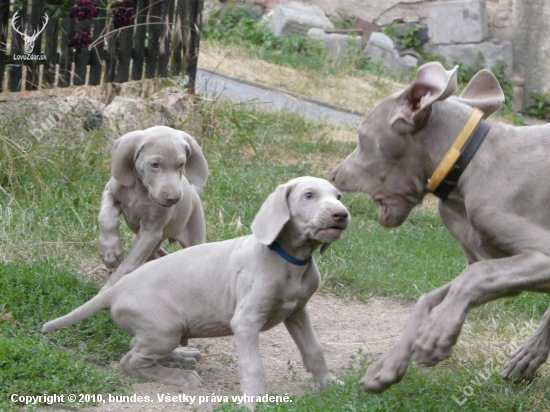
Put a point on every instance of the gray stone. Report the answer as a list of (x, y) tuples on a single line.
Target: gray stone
[(468, 53), (409, 61), (381, 47), (456, 22), (297, 18), (335, 44), (532, 45), (126, 114)]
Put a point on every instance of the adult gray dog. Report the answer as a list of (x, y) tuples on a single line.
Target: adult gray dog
[(496, 208), (241, 286), (148, 187)]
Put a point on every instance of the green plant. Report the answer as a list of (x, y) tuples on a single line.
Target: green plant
[(541, 108), (500, 70), (404, 36), (242, 26)]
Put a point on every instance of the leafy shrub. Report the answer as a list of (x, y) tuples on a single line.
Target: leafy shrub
[(405, 37), (541, 108)]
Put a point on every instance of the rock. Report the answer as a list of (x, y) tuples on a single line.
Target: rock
[(126, 114), (173, 100), (93, 121), (335, 44), (456, 22), (493, 52), (409, 61), (297, 18), (381, 47)]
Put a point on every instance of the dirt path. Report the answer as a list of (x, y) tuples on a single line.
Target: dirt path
[(343, 328)]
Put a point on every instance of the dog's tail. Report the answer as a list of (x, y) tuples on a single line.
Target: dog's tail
[(98, 303)]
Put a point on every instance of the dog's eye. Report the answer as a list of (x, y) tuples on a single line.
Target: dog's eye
[(182, 164), (308, 195), (154, 165), (339, 197)]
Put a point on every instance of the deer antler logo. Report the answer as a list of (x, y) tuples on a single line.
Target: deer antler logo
[(29, 40)]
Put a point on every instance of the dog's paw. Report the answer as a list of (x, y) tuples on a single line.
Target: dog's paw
[(437, 336), (192, 380), (186, 355), (387, 371), (525, 361), (328, 379), (111, 253)]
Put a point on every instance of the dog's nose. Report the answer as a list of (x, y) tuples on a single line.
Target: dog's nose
[(173, 199), (340, 215)]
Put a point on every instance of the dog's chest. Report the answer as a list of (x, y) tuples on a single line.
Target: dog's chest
[(134, 208), (295, 294)]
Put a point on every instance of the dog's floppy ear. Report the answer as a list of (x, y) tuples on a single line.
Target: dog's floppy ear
[(273, 216), (484, 92), (432, 83), (195, 166), (124, 153)]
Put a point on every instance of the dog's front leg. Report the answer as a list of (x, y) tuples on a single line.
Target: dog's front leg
[(246, 327), (390, 369), (110, 242), (479, 283), (144, 244), (301, 329)]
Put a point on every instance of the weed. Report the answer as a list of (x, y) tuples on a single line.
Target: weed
[(241, 26), (541, 108), (405, 36)]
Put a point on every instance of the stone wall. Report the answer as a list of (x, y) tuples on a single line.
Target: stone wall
[(525, 23)]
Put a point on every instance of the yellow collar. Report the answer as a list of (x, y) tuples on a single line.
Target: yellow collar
[(453, 153)]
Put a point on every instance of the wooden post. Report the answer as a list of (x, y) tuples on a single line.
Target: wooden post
[(15, 73), (52, 34), (194, 43), (139, 40), (4, 18), (97, 54), (67, 54), (33, 67), (154, 27)]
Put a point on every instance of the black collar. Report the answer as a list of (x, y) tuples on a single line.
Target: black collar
[(451, 180)]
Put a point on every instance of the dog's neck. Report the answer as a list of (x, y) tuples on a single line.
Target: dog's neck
[(295, 245), (446, 122)]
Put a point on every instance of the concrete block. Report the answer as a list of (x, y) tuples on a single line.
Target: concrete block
[(335, 44), (381, 47), (468, 53), (298, 18), (456, 22)]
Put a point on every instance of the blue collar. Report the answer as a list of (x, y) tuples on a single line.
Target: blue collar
[(274, 246)]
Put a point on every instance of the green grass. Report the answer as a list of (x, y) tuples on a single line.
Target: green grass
[(70, 361), (48, 228)]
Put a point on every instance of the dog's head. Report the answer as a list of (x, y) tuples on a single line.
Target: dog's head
[(158, 156), (308, 206), (397, 139)]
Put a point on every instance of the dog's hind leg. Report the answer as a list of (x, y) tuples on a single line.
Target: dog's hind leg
[(186, 355), (141, 361)]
